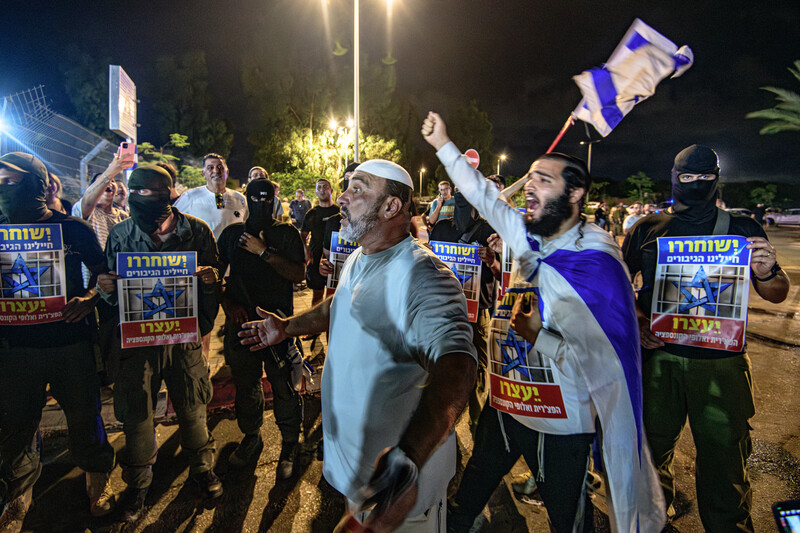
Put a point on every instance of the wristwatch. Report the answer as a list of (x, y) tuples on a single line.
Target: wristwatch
[(264, 255), (772, 273)]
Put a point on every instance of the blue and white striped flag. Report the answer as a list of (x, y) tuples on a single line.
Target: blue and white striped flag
[(640, 62)]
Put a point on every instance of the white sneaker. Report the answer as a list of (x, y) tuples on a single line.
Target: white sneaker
[(101, 496)]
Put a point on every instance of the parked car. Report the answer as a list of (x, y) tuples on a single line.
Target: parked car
[(739, 211), (787, 217)]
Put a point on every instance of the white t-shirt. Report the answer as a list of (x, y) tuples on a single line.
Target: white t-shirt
[(384, 337), (629, 221), (202, 203)]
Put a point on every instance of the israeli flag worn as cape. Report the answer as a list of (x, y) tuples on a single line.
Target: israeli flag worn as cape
[(585, 295), (640, 62)]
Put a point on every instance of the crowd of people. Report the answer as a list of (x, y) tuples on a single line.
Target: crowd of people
[(403, 358)]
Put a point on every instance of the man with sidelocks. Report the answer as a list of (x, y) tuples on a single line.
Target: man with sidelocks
[(400, 365), (583, 330)]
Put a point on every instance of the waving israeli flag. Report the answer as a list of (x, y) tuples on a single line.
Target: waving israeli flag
[(639, 63)]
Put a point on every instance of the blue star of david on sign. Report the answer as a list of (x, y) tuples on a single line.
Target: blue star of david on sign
[(520, 350), (159, 292), (28, 278), (462, 278), (700, 281)]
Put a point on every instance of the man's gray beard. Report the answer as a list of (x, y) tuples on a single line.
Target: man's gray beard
[(357, 228)]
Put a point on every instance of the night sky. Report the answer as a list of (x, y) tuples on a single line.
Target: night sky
[(515, 57)]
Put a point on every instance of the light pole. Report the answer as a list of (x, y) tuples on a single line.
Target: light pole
[(356, 46), (356, 52), (421, 172), (589, 153), (500, 160)]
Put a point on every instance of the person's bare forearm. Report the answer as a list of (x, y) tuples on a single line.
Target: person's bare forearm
[(92, 195), (452, 381), (434, 218), (774, 290), (291, 270), (315, 320)]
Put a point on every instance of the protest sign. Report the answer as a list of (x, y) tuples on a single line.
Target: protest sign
[(157, 298), (34, 283), (521, 380), (463, 261), (340, 251), (701, 290)]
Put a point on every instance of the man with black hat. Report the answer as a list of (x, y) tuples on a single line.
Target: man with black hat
[(710, 387), (56, 353), (400, 363), (155, 226), (266, 257)]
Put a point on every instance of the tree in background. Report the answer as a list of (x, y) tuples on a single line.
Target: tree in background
[(182, 101), (189, 176), (785, 116), (469, 127), (598, 190), (640, 185), (764, 195), (299, 130), (86, 86)]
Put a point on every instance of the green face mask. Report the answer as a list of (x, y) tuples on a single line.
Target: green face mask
[(148, 212), (24, 202)]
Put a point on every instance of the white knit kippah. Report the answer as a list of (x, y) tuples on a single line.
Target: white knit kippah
[(387, 170)]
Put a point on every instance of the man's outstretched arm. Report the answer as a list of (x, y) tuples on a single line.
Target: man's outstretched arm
[(259, 334)]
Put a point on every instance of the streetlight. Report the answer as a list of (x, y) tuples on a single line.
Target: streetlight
[(499, 160), (589, 153), (356, 52), (421, 172)]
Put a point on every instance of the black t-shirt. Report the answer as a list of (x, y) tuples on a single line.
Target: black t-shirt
[(334, 223), (80, 246), (314, 223), (253, 282), (445, 231), (640, 251)]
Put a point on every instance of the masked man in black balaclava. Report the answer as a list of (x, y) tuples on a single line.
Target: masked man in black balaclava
[(55, 352), (712, 388), (266, 257), (155, 226)]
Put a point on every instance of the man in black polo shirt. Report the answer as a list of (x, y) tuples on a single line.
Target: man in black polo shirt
[(712, 388), (266, 257), (314, 224)]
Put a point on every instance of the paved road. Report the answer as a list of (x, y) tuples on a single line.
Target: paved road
[(253, 501)]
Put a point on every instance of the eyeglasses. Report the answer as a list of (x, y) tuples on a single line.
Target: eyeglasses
[(220, 200)]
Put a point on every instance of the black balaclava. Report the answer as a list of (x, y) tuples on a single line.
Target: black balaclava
[(695, 202), (260, 216), (148, 212), (462, 213), (345, 181), (25, 202)]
